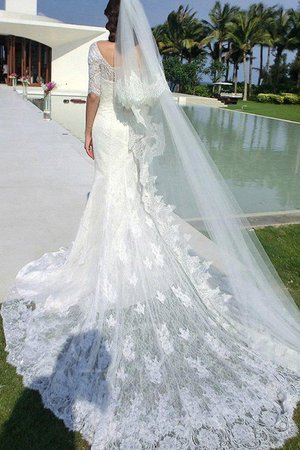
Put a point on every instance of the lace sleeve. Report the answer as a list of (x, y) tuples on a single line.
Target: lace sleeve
[(94, 72)]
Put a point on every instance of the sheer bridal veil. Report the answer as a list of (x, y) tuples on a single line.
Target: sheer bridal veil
[(176, 168)]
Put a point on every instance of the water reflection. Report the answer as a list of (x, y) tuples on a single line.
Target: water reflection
[(258, 157)]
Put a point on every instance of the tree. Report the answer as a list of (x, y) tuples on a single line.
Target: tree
[(229, 37), (185, 75), (282, 38), (220, 19), (245, 32), (266, 15), (295, 70), (235, 57), (294, 43), (215, 69), (181, 35)]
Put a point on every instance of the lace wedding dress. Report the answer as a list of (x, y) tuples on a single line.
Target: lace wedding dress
[(127, 333)]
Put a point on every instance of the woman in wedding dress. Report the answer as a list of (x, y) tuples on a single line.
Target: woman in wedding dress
[(145, 333)]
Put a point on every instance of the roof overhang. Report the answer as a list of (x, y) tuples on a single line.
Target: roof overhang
[(53, 34)]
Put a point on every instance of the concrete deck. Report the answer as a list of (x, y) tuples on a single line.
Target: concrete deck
[(260, 220), (195, 100), (44, 180)]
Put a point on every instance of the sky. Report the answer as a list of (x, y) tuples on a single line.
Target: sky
[(90, 12)]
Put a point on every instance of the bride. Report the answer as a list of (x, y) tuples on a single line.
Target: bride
[(148, 332)]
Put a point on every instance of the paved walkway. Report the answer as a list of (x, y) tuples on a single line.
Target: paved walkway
[(44, 180)]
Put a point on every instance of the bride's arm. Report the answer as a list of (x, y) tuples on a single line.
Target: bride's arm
[(92, 104), (93, 98)]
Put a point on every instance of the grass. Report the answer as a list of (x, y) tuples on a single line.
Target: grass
[(282, 246), (26, 425), (287, 112)]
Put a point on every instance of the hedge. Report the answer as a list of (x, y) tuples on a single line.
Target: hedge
[(279, 98), (291, 98)]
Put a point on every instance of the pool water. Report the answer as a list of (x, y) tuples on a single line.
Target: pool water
[(258, 157)]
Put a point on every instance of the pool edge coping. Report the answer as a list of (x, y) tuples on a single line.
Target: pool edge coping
[(258, 115)]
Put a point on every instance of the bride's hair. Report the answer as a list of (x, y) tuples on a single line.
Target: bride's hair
[(112, 13)]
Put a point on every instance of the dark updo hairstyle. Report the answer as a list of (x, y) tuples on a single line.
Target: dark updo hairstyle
[(112, 13)]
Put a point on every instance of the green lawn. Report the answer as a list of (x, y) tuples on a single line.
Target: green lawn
[(287, 112), (26, 425), (282, 245)]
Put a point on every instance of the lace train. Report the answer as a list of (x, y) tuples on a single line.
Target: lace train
[(170, 371)]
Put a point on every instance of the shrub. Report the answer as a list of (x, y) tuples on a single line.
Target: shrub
[(291, 98), (270, 98), (263, 98), (277, 89), (278, 99), (202, 91)]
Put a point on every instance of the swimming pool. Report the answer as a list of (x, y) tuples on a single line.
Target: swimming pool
[(258, 157)]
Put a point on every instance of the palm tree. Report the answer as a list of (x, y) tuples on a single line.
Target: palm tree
[(182, 34), (235, 58), (220, 19), (294, 41), (282, 37), (244, 32), (266, 15), (259, 17), (159, 33)]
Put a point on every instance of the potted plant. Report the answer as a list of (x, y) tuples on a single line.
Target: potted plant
[(48, 88), (13, 76), (25, 83)]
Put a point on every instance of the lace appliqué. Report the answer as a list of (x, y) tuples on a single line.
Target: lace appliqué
[(99, 69), (133, 92)]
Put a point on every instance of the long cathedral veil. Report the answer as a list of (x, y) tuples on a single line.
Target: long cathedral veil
[(161, 135)]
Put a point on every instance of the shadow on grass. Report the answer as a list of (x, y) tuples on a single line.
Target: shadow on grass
[(32, 427), (78, 377)]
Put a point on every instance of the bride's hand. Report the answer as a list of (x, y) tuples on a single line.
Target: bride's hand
[(89, 146)]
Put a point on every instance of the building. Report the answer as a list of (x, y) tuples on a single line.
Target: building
[(43, 48)]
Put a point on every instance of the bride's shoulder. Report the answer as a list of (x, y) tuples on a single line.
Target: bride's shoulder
[(93, 53), (96, 46), (92, 46), (103, 44)]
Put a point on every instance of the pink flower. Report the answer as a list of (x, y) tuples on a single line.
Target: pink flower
[(48, 87), (25, 79)]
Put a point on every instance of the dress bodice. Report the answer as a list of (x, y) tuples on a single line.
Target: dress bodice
[(101, 76)]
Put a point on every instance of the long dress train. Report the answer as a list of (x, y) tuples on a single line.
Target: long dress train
[(127, 333)]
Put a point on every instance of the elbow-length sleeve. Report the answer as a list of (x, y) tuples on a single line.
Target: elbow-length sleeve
[(94, 71)]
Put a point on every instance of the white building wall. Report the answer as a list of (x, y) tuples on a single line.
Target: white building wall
[(21, 6), (70, 66)]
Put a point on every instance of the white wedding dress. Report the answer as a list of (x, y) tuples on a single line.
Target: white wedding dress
[(127, 334)]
